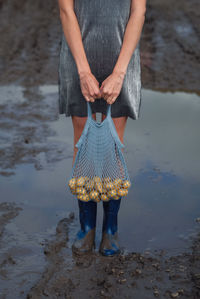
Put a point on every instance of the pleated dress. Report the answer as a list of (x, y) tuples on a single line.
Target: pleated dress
[(102, 24)]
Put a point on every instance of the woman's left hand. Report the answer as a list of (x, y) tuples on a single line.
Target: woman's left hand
[(111, 86)]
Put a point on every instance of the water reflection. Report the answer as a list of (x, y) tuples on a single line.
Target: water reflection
[(162, 153)]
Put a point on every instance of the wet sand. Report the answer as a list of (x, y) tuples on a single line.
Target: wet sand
[(30, 48)]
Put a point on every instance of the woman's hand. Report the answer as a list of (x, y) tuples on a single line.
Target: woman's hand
[(111, 86), (89, 86)]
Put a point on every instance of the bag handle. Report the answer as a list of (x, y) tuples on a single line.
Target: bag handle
[(89, 110)]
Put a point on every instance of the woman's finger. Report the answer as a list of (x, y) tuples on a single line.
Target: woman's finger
[(90, 87), (111, 99), (87, 98)]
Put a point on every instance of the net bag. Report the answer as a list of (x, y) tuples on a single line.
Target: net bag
[(99, 172)]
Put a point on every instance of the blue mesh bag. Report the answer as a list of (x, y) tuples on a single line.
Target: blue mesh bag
[(99, 172)]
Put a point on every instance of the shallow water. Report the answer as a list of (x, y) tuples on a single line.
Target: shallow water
[(162, 153)]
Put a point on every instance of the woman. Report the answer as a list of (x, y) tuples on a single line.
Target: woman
[(100, 63)]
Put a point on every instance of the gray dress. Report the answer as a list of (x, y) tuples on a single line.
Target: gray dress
[(102, 24)]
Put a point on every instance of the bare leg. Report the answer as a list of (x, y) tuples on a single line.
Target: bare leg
[(111, 208), (78, 124)]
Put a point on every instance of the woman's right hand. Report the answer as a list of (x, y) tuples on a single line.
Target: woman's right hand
[(89, 86)]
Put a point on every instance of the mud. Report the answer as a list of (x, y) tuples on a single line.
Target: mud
[(30, 36), (25, 115), (148, 275), (128, 275), (30, 41), (8, 211), (169, 44)]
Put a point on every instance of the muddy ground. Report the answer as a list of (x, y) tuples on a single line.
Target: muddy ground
[(132, 275), (30, 41)]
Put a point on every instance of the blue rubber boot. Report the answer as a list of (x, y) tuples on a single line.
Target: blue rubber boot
[(85, 238), (109, 244)]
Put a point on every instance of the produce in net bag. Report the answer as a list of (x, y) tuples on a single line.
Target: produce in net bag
[(99, 171)]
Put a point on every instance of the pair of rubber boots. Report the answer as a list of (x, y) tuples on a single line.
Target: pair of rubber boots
[(85, 238)]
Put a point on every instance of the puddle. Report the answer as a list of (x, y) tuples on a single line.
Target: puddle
[(161, 149), (162, 153)]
